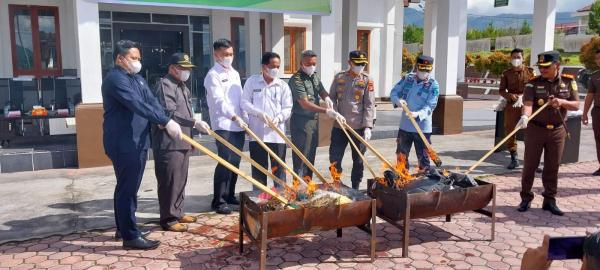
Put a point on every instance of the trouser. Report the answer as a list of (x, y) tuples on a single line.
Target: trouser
[(511, 117), (260, 155), (305, 136), (129, 170), (339, 141), (171, 170), (224, 179), (596, 127), (551, 142), (405, 141)]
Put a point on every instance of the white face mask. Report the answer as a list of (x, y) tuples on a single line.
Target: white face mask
[(273, 72), (309, 70), (133, 66), (516, 62), (422, 75), (358, 69), (227, 61), (184, 75)]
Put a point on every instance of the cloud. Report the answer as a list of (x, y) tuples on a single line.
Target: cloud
[(486, 7)]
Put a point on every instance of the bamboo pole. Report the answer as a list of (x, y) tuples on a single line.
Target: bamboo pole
[(363, 141), (364, 159), (436, 158)]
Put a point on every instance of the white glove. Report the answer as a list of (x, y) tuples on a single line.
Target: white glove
[(173, 129), (265, 118), (240, 122), (400, 104), (335, 115), (519, 102), (367, 134), (500, 106), (202, 126), (523, 122), (329, 102), (276, 120)]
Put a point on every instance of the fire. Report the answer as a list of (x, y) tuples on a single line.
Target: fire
[(274, 169), (307, 178), (312, 187), (402, 171), (445, 172), (335, 175), (432, 154)]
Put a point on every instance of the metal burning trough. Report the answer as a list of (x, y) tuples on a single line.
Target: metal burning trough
[(413, 201), (261, 223)]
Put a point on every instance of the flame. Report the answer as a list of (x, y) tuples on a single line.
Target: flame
[(307, 178), (312, 187), (274, 169), (402, 171), (432, 154), (335, 175), (445, 172)]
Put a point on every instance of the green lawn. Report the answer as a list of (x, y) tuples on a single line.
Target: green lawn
[(569, 58)]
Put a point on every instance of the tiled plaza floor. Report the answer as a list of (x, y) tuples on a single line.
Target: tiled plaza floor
[(435, 244)]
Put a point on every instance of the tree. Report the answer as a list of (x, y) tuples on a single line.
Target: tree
[(588, 53), (525, 28), (594, 19), (408, 61), (413, 34)]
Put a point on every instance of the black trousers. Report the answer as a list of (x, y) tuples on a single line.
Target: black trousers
[(171, 170), (339, 141), (129, 170), (260, 155), (225, 180)]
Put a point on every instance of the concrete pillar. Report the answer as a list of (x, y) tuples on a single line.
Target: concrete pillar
[(277, 41), (253, 43), (462, 41), (323, 40), (87, 32), (391, 47), (398, 41), (430, 30), (448, 115), (349, 28), (220, 25), (544, 18)]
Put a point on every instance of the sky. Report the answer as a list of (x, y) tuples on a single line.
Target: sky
[(486, 7)]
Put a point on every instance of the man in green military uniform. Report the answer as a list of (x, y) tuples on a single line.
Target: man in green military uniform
[(307, 92), (353, 97), (546, 132)]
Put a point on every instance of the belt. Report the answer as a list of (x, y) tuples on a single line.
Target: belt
[(547, 126)]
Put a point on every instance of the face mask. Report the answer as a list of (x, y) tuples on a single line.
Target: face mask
[(516, 62), (184, 75), (273, 72), (309, 70), (227, 61), (422, 75), (358, 69), (133, 66)]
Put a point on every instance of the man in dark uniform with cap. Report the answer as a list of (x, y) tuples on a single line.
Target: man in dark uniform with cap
[(546, 132), (353, 96), (512, 84), (171, 157), (593, 98), (129, 108)]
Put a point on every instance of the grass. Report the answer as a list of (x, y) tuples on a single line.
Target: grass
[(568, 58)]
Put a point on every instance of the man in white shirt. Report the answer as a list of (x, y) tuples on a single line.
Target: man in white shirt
[(223, 95), (267, 98)]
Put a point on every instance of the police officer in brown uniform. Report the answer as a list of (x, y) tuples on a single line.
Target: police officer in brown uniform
[(593, 98), (511, 88), (546, 132), (353, 96)]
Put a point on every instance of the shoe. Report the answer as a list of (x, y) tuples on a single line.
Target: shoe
[(233, 201), (524, 206), (596, 173), (141, 243), (177, 227), (552, 207), (223, 209), (187, 219), (514, 163), (142, 233)]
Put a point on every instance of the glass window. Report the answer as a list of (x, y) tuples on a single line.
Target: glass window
[(238, 33), (35, 40), (170, 19), (294, 42), (131, 17), (200, 24), (363, 37)]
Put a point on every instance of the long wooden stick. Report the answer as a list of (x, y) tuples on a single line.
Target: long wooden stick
[(363, 141), (273, 155), (503, 141), (233, 168), (436, 158), (297, 151), (364, 159), (246, 158)]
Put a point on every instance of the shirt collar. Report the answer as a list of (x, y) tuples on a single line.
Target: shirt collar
[(275, 81), (220, 68), (173, 79)]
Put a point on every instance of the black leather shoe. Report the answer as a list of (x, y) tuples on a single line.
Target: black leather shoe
[(596, 173), (142, 233), (141, 243), (553, 208), (233, 201), (524, 206), (223, 209)]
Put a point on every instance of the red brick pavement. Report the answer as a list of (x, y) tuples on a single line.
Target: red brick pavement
[(434, 244)]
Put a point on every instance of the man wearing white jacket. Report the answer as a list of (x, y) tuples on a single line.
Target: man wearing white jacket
[(267, 98)]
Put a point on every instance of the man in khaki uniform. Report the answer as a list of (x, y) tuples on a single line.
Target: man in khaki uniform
[(593, 98), (353, 97), (511, 88), (546, 132)]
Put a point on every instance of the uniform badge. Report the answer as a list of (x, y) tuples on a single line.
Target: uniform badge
[(357, 97), (371, 87), (341, 81), (562, 85), (361, 83), (574, 85), (540, 102)]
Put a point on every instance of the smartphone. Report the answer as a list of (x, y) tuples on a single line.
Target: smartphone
[(565, 248)]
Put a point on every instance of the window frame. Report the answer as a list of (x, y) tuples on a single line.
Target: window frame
[(241, 21), (359, 32), (294, 63), (37, 70)]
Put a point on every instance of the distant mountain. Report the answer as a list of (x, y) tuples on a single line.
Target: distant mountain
[(414, 16)]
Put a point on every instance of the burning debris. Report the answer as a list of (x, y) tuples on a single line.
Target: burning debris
[(312, 196)]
